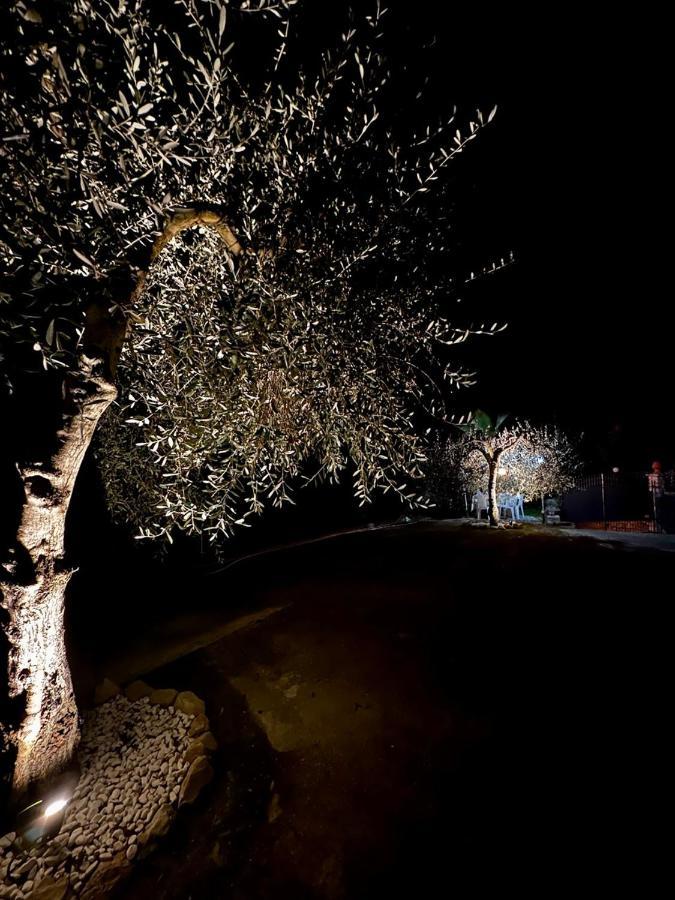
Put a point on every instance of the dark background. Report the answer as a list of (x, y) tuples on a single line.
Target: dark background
[(570, 176)]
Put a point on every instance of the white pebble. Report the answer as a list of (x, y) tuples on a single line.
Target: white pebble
[(123, 783)]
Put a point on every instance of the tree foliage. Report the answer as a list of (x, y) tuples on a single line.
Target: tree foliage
[(313, 347), (533, 460)]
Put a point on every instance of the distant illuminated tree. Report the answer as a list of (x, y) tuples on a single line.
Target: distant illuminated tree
[(518, 458), (270, 254), (545, 461), (484, 442)]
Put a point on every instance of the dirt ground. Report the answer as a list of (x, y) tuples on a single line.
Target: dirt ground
[(422, 712)]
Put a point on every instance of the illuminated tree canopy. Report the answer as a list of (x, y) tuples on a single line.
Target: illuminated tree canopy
[(515, 457), (321, 342), (542, 461), (250, 274)]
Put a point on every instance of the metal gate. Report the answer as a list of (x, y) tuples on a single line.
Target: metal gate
[(615, 501)]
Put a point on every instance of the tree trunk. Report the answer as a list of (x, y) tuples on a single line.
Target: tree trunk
[(493, 508), (34, 582), (44, 726)]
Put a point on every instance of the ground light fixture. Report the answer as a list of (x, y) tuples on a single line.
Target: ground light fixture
[(54, 806), (43, 817)]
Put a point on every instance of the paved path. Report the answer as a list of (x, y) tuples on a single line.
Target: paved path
[(632, 539), (423, 707), (665, 542)]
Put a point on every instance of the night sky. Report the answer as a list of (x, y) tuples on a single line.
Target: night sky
[(570, 179)]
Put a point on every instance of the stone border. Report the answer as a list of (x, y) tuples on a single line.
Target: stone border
[(144, 759)]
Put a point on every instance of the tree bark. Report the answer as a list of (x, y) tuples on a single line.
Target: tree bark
[(493, 507), (33, 579)]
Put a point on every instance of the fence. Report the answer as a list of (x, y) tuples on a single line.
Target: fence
[(621, 501)]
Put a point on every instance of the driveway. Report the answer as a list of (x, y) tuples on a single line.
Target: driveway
[(420, 712)]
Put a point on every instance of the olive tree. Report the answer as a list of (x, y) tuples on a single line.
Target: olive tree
[(516, 456), (249, 273)]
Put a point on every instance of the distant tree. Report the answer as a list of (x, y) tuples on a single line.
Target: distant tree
[(270, 253), (545, 461), (517, 457), (488, 440)]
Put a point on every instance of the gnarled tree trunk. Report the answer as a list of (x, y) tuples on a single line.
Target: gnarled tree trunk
[(34, 582)]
